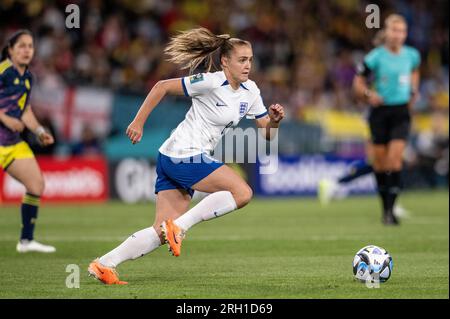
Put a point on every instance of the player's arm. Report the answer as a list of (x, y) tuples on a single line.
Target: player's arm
[(10, 122), (31, 123), (271, 121), (361, 87), (364, 93), (415, 82), (156, 94)]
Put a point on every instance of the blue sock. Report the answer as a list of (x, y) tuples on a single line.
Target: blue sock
[(358, 170), (30, 206)]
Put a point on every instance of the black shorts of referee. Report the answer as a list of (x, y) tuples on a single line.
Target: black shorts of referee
[(389, 122)]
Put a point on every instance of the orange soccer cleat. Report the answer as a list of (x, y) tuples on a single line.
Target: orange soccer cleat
[(106, 275), (173, 235)]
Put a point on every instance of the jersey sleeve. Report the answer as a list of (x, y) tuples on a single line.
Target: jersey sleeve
[(257, 109), (369, 64), (362, 69), (197, 84)]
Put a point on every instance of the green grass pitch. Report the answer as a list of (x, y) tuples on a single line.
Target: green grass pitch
[(284, 248)]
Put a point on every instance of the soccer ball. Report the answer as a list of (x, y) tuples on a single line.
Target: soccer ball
[(372, 264)]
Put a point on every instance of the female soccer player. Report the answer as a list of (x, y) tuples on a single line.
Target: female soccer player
[(219, 100), (395, 68), (16, 158)]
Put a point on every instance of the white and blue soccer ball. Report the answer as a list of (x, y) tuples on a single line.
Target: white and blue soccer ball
[(372, 264)]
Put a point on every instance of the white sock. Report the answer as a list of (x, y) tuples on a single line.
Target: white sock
[(135, 246), (212, 206)]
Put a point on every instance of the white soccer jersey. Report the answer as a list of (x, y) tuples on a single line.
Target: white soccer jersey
[(215, 107)]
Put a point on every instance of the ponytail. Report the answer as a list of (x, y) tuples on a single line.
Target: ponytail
[(191, 48), (5, 53)]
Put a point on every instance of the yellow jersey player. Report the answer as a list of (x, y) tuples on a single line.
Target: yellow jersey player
[(16, 157)]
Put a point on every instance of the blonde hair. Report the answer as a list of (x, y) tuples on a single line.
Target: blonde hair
[(193, 47), (380, 37)]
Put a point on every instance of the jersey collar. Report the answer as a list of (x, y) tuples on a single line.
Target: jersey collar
[(241, 85), (27, 71)]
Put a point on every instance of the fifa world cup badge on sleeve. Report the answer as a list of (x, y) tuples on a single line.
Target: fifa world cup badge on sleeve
[(196, 78)]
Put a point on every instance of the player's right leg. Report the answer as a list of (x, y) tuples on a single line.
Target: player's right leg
[(380, 127), (382, 175), (170, 203), (228, 191), (28, 173), (326, 190), (394, 166), (329, 189)]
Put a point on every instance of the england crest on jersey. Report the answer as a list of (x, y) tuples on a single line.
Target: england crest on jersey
[(243, 109)]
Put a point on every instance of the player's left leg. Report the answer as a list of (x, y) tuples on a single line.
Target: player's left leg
[(394, 163), (170, 203), (380, 152), (28, 173), (228, 191), (400, 124)]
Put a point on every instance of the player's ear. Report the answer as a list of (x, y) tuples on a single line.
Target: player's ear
[(224, 61)]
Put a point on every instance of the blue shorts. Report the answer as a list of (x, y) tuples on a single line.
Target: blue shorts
[(182, 173)]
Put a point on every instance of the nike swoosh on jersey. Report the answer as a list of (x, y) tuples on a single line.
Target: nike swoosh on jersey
[(218, 104)]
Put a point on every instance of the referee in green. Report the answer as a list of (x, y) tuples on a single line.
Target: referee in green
[(394, 69)]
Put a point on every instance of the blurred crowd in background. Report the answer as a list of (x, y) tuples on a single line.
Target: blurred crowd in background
[(305, 52)]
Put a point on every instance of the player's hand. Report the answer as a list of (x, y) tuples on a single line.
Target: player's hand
[(12, 123), (135, 132), (276, 113), (414, 98), (374, 99), (46, 139)]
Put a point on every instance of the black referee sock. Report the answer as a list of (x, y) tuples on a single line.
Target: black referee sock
[(381, 178), (393, 189)]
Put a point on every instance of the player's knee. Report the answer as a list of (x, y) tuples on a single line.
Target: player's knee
[(394, 165), (378, 165), (243, 195), (37, 187)]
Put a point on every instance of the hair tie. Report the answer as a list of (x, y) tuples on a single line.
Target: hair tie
[(225, 37)]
